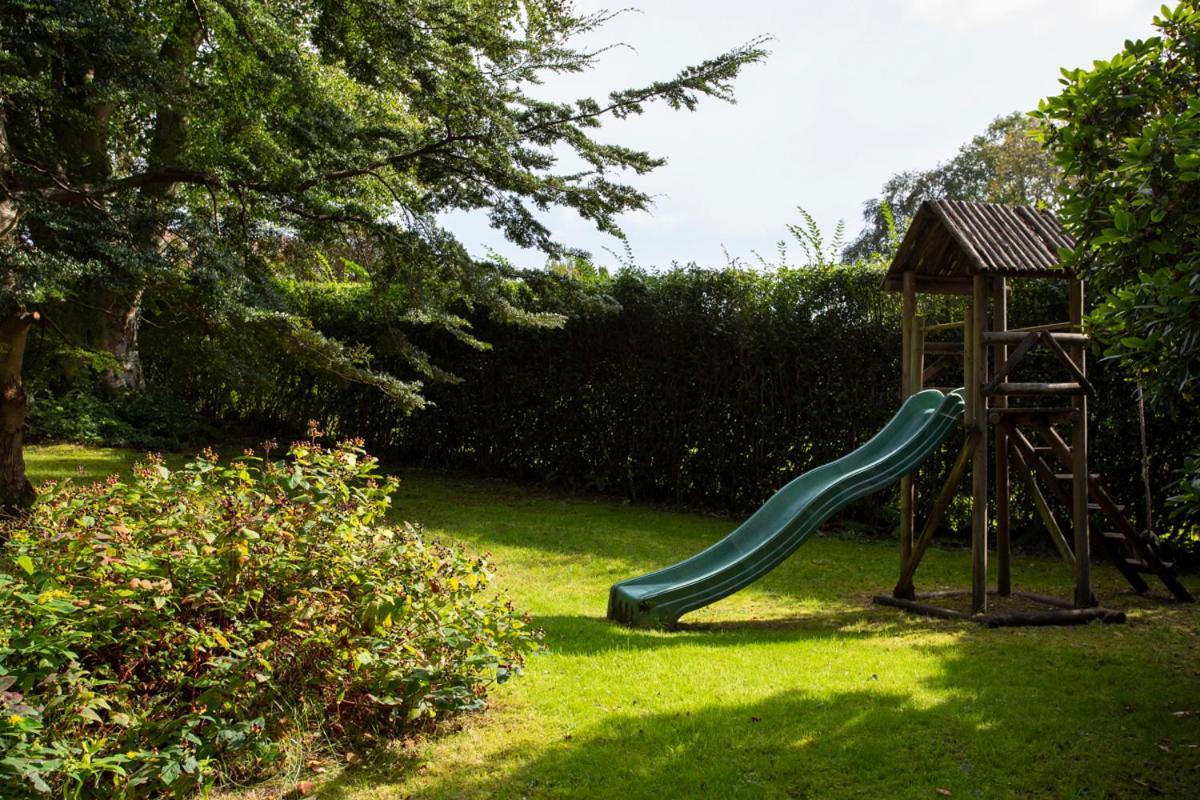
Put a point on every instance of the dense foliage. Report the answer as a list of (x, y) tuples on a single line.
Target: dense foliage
[(1004, 164), (178, 628), (690, 386), (1126, 134), (155, 157)]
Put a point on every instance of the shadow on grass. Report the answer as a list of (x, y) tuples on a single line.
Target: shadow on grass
[(983, 739), (1011, 713), (587, 635)]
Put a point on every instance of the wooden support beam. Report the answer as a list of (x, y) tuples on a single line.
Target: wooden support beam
[(979, 465), (1021, 458), (1055, 616), (1053, 416), (1010, 361), (918, 607), (917, 366), (1084, 596), (944, 326), (908, 381), (933, 370), (1015, 337), (1003, 530), (1067, 361), (1050, 326), (1065, 616), (904, 587), (943, 349), (1070, 388)]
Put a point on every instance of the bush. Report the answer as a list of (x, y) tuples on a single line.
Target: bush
[(82, 413), (176, 629)]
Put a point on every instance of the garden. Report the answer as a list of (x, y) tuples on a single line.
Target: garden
[(299, 497)]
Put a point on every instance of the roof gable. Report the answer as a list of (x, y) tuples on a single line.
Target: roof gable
[(951, 241)]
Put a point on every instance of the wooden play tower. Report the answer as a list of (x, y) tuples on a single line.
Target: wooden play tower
[(1037, 431)]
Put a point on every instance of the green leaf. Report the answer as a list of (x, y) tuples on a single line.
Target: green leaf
[(169, 773), (25, 563)]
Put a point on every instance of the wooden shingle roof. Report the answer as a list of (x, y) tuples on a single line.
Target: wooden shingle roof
[(951, 241)]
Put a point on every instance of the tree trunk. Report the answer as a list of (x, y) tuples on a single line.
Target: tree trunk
[(16, 492), (122, 313), (119, 322)]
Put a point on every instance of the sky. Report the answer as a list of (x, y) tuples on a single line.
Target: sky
[(853, 92)]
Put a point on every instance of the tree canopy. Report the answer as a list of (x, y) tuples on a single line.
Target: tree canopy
[(161, 154), (1004, 164), (1126, 135)]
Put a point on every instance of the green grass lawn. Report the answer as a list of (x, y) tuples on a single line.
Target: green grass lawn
[(794, 688)]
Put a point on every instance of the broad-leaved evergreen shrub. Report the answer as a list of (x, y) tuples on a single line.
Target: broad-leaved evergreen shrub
[(168, 631)]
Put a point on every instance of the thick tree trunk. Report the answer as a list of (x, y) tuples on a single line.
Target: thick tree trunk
[(122, 313), (16, 492), (118, 335)]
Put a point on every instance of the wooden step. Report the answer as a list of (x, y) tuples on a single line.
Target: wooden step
[(1036, 389), (1066, 476), (1114, 536), (1098, 507), (1142, 566)]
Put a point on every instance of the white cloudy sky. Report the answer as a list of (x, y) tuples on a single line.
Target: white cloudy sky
[(853, 92)]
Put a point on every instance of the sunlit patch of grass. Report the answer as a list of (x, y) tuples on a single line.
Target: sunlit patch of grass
[(796, 687)]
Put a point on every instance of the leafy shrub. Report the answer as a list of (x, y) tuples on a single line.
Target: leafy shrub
[(1126, 134), (168, 631), (80, 411)]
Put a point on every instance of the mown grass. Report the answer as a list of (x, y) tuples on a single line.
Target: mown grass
[(797, 687)]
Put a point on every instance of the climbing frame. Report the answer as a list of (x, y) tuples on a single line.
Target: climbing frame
[(1035, 430)]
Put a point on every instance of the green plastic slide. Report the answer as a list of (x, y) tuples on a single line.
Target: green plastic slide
[(785, 521)]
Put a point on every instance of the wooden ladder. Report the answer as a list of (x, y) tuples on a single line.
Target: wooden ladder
[(1132, 552)]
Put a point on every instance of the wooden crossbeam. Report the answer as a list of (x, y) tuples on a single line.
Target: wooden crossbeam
[(934, 369), (1017, 336), (1068, 362), (904, 587), (1037, 389), (1018, 354)]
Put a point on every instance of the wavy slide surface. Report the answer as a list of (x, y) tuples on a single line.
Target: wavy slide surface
[(784, 522)]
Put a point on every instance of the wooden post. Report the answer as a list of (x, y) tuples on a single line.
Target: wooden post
[(908, 327), (1079, 463), (977, 377), (1003, 540), (917, 368)]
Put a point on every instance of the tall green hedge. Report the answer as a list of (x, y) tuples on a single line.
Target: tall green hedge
[(700, 387)]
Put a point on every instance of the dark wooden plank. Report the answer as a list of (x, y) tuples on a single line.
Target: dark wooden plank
[(1010, 363), (1036, 389), (1048, 339), (904, 587), (1065, 616), (920, 608), (1015, 337)]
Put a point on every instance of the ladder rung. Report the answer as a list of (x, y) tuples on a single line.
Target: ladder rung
[(1115, 536), (1098, 507), (1067, 476), (1142, 566)]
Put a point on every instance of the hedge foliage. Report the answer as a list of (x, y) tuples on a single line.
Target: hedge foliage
[(183, 627), (691, 386)]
